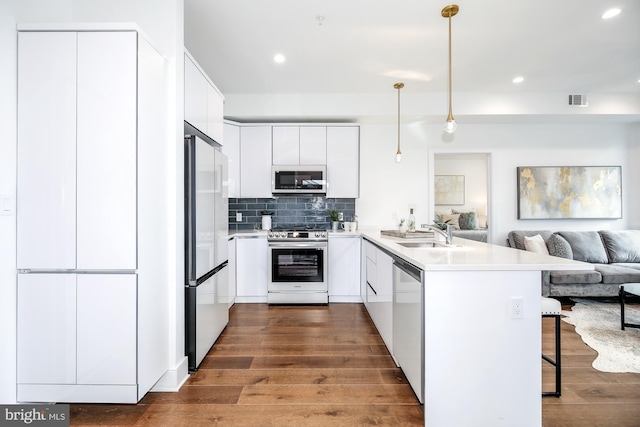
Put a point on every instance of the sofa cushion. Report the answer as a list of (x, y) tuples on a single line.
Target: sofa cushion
[(616, 274), (468, 220), (586, 246), (570, 277), (516, 237), (558, 246), (622, 245), (634, 265)]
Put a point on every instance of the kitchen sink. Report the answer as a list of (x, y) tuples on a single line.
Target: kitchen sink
[(423, 244)]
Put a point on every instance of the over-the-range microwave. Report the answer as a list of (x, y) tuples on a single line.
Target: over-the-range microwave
[(303, 179)]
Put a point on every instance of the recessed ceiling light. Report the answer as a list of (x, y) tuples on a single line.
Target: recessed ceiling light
[(279, 58), (518, 79), (611, 13)]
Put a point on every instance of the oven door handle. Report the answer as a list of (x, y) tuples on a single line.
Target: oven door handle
[(318, 245)]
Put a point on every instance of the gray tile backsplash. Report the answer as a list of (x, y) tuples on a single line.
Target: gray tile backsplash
[(288, 210)]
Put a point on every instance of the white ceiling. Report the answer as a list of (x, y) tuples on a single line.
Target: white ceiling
[(364, 46)]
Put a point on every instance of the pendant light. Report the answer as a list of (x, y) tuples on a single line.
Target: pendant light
[(452, 10), (398, 153)]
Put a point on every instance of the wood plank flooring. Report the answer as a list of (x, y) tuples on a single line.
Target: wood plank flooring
[(327, 366)]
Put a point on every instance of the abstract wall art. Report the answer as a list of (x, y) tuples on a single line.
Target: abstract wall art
[(449, 189), (569, 192)]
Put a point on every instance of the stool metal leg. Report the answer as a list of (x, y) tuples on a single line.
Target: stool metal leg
[(621, 294), (557, 362)]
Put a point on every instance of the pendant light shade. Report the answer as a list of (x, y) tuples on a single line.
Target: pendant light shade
[(452, 10), (398, 86)]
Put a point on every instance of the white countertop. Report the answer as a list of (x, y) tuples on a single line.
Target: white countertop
[(466, 254)]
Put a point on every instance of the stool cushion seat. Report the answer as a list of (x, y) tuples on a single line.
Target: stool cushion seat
[(551, 306), (631, 288)]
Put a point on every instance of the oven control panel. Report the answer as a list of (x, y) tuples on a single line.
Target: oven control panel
[(297, 235)]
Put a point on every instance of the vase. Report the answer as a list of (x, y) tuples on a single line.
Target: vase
[(335, 225)]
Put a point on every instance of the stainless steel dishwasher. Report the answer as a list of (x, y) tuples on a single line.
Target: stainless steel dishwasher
[(408, 323)]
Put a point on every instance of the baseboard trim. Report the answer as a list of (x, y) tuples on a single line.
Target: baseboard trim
[(173, 379)]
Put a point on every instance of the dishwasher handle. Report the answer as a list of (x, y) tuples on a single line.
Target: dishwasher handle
[(408, 268)]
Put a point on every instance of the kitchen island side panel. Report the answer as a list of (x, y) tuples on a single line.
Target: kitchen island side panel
[(478, 356)]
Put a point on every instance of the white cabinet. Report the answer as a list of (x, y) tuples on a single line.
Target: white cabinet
[(344, 268), (215, 114), (195, 96), (46, 336), (379, 290), (106, 154), (299, 145), (77, 329), (81, 171), (255, 161), (203, 102), (231, 149), (90, 273), (251, 269), (313, 145), (106, 328), (232, 271), (46, 171), (286, 145), (343, 161)]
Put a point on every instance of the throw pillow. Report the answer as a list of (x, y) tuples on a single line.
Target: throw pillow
[(468, 221), (535, 244), (586, 246), (453, 220), (559, 247), (483, 221)]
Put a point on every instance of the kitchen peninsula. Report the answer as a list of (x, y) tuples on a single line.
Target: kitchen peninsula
[(482, 327)]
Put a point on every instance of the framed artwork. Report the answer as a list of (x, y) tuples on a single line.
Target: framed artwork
[(449, 189), (569, 192)]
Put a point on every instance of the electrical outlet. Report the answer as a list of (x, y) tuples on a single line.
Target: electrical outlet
[(517, 308), (238, 216)]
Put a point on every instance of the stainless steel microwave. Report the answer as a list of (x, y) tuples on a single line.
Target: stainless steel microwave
[(301, 179)]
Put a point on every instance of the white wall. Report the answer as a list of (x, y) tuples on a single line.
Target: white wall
[(162, 20), (388, 187), (474, 169)]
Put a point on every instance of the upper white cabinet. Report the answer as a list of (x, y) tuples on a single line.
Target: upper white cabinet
[(203, 102), (343, 161), (255, 161), (47, 171), (231, 149), (76, 169), (299, 145)]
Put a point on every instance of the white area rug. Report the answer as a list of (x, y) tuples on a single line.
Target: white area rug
[(598, 323)]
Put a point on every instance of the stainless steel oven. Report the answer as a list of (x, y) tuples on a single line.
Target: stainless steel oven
[(297, 267)]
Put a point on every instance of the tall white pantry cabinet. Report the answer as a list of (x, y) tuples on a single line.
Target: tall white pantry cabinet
[(91, 210)]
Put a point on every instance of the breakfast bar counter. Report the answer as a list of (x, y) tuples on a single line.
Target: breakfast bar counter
[(481, 328)]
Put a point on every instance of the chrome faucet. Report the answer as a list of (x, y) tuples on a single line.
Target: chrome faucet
[(446, 234)]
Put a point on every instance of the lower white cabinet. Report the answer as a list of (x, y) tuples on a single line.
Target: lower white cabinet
[(251, 269), (77, 332), (379, 290), (232, 271), (344, 268)]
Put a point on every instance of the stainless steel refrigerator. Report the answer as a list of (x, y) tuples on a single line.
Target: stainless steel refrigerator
[(207, 224)]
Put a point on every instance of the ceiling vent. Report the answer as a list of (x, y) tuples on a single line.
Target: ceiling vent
[(578, 100)]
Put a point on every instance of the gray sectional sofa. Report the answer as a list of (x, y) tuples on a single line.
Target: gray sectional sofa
[(614, 254)]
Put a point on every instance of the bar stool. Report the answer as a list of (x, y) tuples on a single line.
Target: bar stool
[(552, 308), (624, 290)]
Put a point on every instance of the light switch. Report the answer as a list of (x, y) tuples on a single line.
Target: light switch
[(7, 204)]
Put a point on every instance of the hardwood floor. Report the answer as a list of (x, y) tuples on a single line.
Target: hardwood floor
[(327, 366), (590, 398)]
